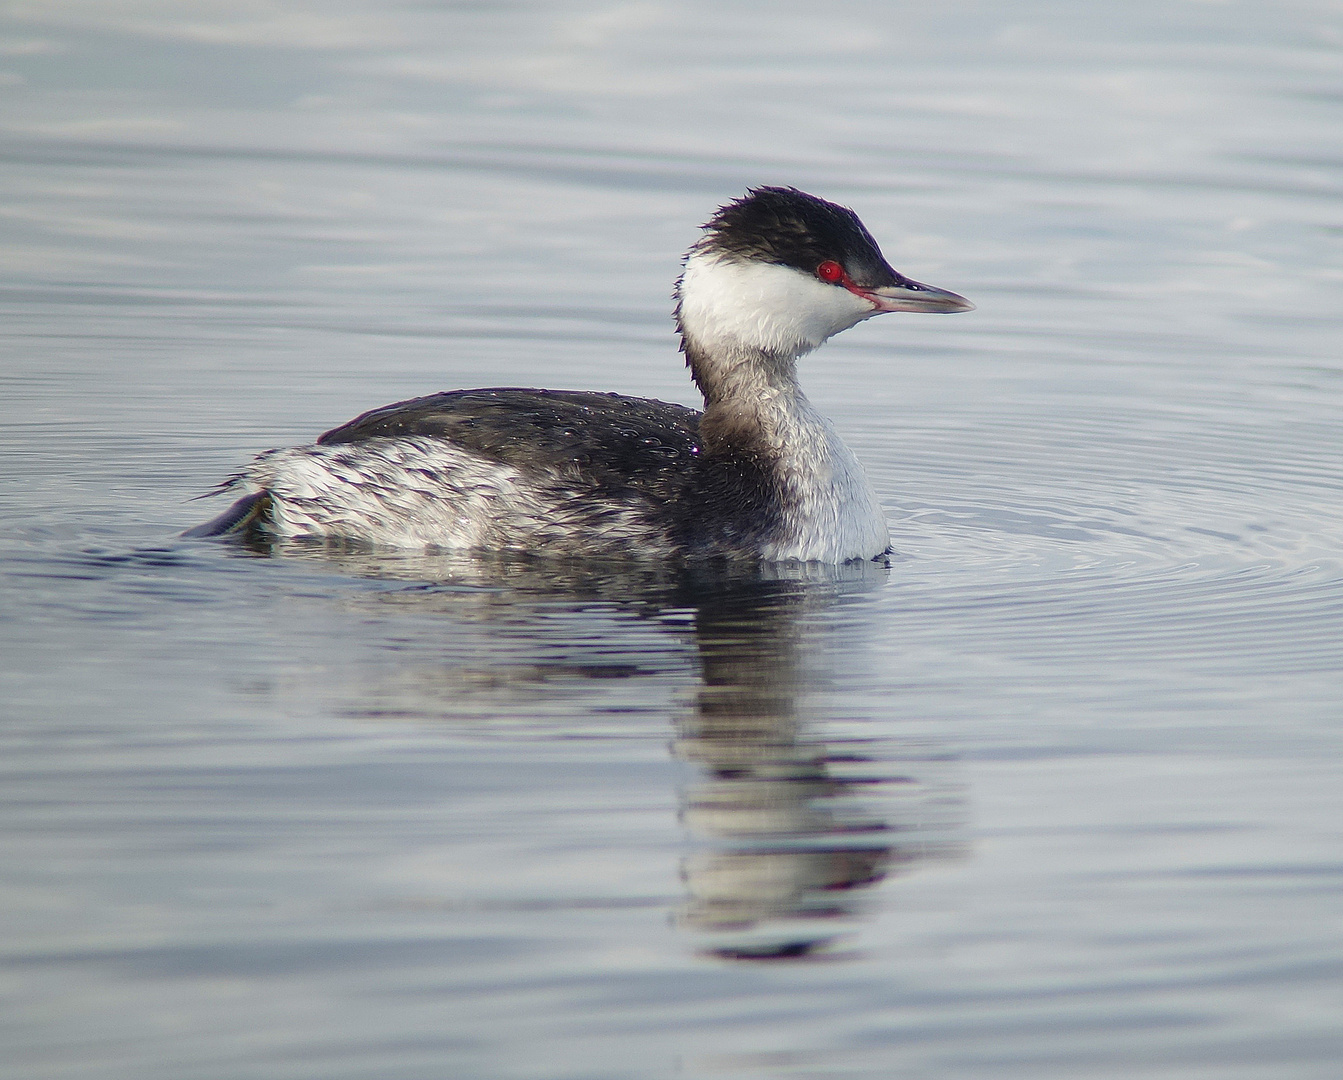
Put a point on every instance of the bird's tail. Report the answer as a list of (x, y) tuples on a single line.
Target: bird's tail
[(243, 518)]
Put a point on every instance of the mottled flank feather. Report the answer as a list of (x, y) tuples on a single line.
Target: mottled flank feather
[(414, 491)]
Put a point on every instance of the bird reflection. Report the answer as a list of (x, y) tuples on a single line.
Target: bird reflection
[(791, 818), (787, 836)]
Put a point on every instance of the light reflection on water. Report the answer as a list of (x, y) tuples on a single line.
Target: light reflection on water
[(1055, 795)]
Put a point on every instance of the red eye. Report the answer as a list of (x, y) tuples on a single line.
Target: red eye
[(830, 271)]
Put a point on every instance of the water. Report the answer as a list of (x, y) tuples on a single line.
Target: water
[(1055, 795)]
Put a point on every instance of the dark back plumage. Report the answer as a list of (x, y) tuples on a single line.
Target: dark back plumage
[(609, 440)]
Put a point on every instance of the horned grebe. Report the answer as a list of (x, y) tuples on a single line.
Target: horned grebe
[(760, 474)]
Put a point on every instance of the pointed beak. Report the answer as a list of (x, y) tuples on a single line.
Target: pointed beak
[(914, 296)]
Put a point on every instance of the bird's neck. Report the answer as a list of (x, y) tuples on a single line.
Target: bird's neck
[(756, 414), (752, 400)]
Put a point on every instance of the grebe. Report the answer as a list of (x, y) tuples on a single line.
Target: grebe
[(760, 474)]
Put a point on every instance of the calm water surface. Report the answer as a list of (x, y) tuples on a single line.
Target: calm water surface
[(1058, 793)]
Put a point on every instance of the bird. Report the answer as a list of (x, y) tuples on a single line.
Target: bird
[(757, 475)]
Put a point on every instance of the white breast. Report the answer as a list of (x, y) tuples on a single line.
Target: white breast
[(831, 511)]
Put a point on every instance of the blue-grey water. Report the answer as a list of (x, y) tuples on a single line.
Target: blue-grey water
[(1058, 794)]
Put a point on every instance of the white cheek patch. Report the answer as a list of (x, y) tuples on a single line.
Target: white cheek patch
[(761, 306)]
